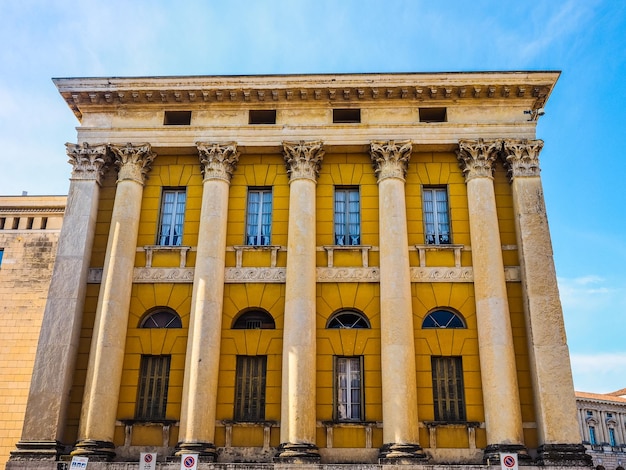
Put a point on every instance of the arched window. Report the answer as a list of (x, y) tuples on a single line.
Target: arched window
[(161, 317), (443, 319), (348, 319), (254, 320)]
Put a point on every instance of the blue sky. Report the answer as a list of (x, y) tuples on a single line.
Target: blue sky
[(585, 122)]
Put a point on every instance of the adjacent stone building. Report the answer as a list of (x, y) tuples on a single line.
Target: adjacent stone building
[(304, 269), (29, 231), (602, 420)]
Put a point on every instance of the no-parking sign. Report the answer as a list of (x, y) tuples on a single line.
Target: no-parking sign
[(147, 461), (508, 461), (188, 462)]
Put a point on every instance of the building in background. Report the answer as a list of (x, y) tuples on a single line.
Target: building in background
[(29, 232), (602, 419), (306, 268)]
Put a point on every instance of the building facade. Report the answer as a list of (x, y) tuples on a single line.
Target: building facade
[(602, 421), (29, 232), (307, 268)]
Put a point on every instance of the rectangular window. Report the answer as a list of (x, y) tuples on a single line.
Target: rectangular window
[(153, 382), (262, 116), (346, 116), (436, 218), (592, 435), (177, 118), (349, 389), (432, 114), (250, 388), (448, 393), (612, 437), (29, 223), (172, 217), (1, 255), (16, 223), (259, 218), (3, 221), (44, 223), (347, 216)]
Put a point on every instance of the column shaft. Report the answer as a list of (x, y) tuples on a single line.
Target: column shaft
[(198, 412), (298, 398), (399, 383), (498, 368), (555, 402), (55, 359), (104, 372)]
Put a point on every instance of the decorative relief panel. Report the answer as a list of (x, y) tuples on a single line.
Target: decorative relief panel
[(278, 275)]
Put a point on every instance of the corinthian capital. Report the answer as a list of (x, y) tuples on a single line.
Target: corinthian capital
[(521, 157), (476, 157), (218, 160), (133, 161), (303, 159), (89, 161), (390, 159)]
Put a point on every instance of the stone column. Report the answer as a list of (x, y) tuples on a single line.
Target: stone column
[(104, 372), (555, 402), (298, 405), (503, 416), (197, 421), (53, 371), (397, 343)]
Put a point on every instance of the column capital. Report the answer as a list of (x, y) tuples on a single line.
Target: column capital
[(521, 157), (133, 161), (303, 159), (476, 157), (390, 158), (218, 160), (89, 161)]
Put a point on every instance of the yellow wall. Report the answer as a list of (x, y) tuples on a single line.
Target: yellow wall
[(425, 168)]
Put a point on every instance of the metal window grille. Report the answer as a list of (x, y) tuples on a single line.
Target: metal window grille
[(153, 382), (250, 388), (172, 217), (259, 219), (347, 217), (436, 218), (349, 389), (448, 388)]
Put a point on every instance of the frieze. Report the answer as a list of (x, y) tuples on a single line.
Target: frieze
[(278, 275), (266, 275)]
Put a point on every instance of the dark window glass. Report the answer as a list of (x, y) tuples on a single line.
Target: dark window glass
[(254, 320), (348, 319), (165, 318), (442, 319)]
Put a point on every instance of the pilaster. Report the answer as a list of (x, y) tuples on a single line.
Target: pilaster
[(48, 399), (104, 372), (555, 402), (298, 420), (218, 161), (399, 383)]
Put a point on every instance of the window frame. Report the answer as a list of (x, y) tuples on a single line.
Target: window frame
[(354, 364), (243, 321), (438, 235), (335, 323), (250, 397), (593, 440), (449, 403), (177, 217), (254, 222), (151, 404), (157, 317), (454, 317), (346, 226)]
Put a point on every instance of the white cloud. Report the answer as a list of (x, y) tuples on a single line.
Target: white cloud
[(599, 373)]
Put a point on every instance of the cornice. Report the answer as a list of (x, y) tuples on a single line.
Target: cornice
[(435, 88)]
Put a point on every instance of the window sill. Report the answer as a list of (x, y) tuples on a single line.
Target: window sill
[(239, 249), (364, 249), (422, 249), (150, 249)]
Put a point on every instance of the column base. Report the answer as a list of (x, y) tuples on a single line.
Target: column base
[(400, 454), (569, 455), (491, 454), (297, 453), (37, 450), (206, 451), (98, 451)]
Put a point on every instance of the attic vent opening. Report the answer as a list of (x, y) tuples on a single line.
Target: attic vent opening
[(262, 116), (433, 114), (177, 118), (346, 116)]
